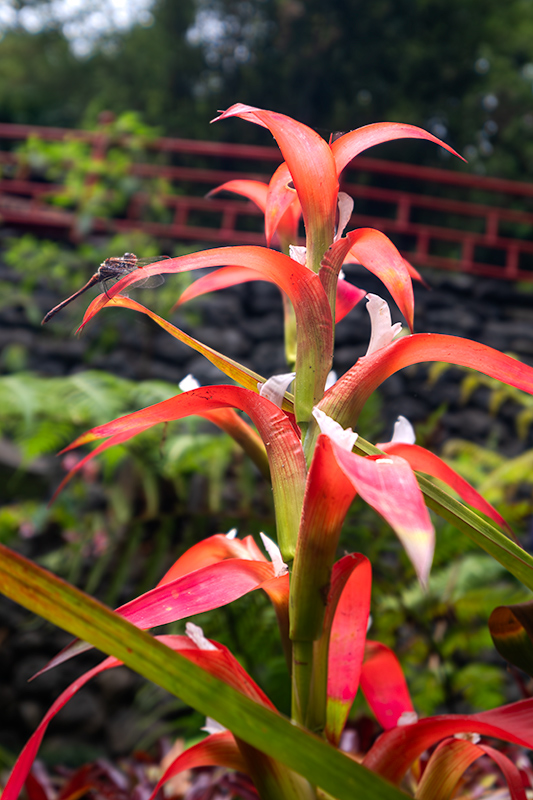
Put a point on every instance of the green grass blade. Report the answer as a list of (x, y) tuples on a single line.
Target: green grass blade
[(301, 751)]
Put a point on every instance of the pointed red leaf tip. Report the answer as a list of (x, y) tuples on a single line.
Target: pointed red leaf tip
[(310, 162), (376, 252), (423, 460), (284, 223), (216, 750), (212, 550), (348, 146), (348, 296), (25, 760), (395, 750), (218, 662), (256, 191), (388, 484), (345, 400), (384, 685), (283, 209)]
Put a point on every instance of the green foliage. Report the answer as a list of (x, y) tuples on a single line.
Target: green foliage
[(95, 181), (441, 636), (177, 472)]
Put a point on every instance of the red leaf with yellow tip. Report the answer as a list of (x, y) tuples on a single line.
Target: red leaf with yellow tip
[(395, 750), (347, 397), (286, 458)]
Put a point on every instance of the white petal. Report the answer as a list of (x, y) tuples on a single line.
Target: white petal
[(275, 387), (189, 382), (280, 568), (407, 718), (404, 432), (298, 253), (468, 737), (345, 206), (196, 635), (344, 438), (383, 331), (212, 726), (231, 534), (331, 379)]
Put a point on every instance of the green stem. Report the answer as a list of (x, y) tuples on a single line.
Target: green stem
[(318, 691), (302, 668)]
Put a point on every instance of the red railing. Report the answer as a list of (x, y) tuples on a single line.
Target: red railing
[(437, 217)]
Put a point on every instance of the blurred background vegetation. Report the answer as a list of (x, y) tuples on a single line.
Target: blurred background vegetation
[(462, 69)]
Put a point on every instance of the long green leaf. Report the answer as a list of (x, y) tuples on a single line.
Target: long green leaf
[(273, 734), (484, 533)]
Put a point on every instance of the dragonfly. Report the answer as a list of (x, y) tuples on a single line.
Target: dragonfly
[(110, 271)]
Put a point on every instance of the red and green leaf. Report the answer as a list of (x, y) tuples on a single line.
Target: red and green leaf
[(395, 750)]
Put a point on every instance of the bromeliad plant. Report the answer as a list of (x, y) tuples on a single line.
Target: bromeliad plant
[(305, 444)]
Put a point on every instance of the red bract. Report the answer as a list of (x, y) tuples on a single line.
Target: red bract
[(304, 445), (423, 460), (287, 463), (218, 662), (390, 487), (303, 287), (384, 685), (395, 750), (345, 400), (312, 168), (449, 762)]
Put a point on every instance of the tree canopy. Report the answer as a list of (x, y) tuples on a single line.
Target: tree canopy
[(460, 68)]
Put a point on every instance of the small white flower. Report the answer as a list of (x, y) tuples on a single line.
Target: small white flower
[(383, 331), (212, 726), (231, 534), (403, 432), (188, 382), (344, 438), (474, 738), (280, 568), (331, 379), (345, 205), (196, 635), (298, 253), (275, 387), (407, 718)]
